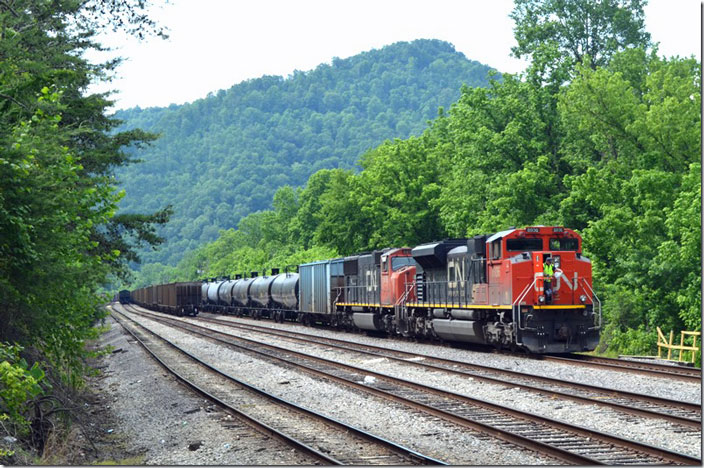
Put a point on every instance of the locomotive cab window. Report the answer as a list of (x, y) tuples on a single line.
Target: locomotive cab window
[(400, 262), (524, 245), (564, 244), (385, 264)]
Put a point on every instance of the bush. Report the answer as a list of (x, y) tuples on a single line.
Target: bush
[(635, 342), (19, 385)]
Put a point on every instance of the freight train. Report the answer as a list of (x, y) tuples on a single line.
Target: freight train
[(489, 289)]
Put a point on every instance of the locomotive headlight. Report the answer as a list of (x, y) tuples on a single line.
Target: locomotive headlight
[(541, 299), (583, 298)]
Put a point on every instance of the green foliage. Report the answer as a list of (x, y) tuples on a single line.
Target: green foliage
[(559, 34), (59, 239), (394, 191), (224, 156), (633, 342), (19, 384), (639, 139)]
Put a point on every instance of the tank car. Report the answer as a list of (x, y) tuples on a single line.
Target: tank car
[(260, 296), (240, 295), (212, 298), (284, 296)]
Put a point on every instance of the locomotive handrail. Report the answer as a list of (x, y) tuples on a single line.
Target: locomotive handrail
[(398, 309), (402, 299), (362, 293), (334, 302), (516, 309), (594, 296)]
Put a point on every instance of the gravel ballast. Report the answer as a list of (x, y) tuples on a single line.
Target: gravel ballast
[(394, 421), (423, 433), (649, 431), (167, 423)]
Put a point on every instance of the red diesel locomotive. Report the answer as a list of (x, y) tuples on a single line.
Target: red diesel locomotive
[(488, 290)]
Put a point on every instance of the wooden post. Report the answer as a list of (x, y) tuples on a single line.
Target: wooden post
[(694, 345), (661, 342)]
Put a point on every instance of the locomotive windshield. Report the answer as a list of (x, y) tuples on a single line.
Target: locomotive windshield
[(523, 245), (400, 262), (564, 244)]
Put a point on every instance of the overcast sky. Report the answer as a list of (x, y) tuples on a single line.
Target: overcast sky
[(215, 44)]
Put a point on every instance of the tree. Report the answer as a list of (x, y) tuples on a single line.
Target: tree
[(632, 139), (58, 150), (493, 146), (558, 34), (394, 190)]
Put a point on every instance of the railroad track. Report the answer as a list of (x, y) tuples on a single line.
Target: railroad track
[(683, 413), (687, 374), (565, 442), (327, 440)]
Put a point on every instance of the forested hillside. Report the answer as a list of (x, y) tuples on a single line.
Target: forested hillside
[(224, 156), (600, 134)]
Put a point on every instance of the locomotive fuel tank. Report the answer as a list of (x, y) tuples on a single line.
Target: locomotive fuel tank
[(284, 290)]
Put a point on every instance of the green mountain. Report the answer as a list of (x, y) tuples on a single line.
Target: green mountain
[(223, 157)]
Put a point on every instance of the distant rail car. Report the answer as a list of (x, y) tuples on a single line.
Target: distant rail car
[(124, 296), (174, 298)]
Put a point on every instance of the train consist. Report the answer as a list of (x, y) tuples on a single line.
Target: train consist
[(489, 289)]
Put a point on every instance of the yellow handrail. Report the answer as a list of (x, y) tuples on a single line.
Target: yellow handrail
[(667, 344)]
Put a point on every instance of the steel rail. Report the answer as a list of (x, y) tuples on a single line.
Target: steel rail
[(536, 446), (388, 353), (257, 425), (407, 453), (555, 451), (688, 374)]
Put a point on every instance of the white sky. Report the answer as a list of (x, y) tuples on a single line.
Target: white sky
[(215, 44)]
